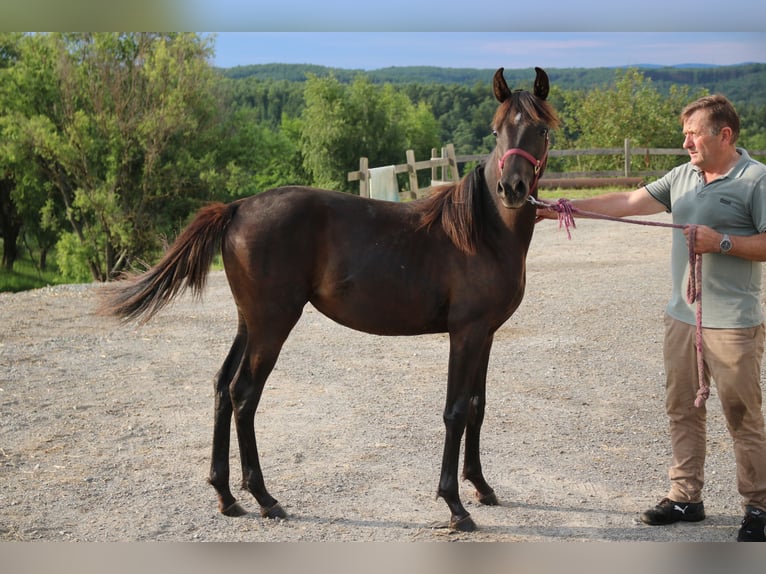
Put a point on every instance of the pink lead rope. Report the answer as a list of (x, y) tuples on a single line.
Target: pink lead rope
[(566, 211), (694, 294)]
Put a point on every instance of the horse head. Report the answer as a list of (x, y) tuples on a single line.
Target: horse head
[(521, 126)]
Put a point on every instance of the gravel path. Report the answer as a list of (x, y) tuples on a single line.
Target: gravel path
[(105, 429)]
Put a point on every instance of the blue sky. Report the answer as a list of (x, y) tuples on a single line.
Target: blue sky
[(372, 50), (450, 33), (477, 15)]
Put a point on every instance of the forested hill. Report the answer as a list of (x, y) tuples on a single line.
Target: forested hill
[(745, 83)]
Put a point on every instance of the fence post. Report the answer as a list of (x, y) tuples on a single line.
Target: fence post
[(412, 172), (364, 178), (627, 157), (452, 162)]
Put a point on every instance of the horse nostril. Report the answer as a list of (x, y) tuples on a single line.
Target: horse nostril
[(510, 189)]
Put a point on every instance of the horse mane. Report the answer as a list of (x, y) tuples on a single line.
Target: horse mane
[(460, 207)]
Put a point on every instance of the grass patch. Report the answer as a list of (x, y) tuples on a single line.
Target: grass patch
[(25, 276), (554, 194)]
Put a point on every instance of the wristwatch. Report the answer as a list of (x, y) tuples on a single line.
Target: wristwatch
[(725, 243)]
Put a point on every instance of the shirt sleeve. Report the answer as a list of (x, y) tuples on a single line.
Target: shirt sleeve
[(758, 205), (660, 190)]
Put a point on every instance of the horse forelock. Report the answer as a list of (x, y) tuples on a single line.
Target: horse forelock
[(531, 108)]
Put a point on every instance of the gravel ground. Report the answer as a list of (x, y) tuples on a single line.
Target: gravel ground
[(106, 429)]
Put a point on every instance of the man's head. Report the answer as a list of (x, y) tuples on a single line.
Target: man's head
[(711, 128)]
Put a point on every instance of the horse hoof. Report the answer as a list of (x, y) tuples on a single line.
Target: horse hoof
[(233, 510), (465, 524), (275, 511), (489, 499)]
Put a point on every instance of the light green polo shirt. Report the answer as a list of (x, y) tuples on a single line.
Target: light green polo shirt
[(734, 204)]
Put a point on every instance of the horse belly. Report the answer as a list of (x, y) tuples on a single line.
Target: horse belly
[(383, 305)]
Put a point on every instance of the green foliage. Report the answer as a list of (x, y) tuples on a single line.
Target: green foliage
[(269, 100), (258, 158), (342, 123), (121, 129), (752, 134), (742, 83), (462, 101), (632, 109), (73, 257)]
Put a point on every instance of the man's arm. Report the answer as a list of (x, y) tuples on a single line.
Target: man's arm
[(708, 240), (615, 204)]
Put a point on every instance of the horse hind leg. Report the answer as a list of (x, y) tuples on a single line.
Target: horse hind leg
[(263, 348), (219, 465)]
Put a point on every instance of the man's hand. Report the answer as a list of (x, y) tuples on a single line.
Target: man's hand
[(545, 213), (706, 240)]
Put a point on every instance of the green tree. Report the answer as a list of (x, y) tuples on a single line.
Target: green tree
[(125, 143), (10, 220), (28, 210), (255, 157), (341, 123), (752, 134), (632, 108)]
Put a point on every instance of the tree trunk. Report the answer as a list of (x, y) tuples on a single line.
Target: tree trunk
[(10, 225)]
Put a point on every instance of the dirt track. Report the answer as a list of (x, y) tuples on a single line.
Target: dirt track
[(106, 430)]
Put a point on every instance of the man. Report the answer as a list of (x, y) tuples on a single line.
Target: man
[(722, 191)]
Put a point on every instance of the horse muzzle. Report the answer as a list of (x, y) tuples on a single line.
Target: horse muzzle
[(514, 193)]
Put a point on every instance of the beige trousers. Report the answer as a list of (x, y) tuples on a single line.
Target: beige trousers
[(733, 361)]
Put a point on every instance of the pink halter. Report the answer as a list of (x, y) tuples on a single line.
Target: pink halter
[(538, 163)]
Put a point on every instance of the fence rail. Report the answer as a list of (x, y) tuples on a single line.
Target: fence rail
[(446, 168), (443, 168)]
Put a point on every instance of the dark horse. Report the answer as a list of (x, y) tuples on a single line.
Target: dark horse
[(453, 262)]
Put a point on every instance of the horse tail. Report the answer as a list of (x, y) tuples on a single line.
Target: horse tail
[(185, 264)]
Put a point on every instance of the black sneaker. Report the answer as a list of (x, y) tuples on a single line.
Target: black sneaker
[(753, 527), (669, 511)]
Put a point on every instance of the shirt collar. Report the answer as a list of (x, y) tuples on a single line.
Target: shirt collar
[(737, 168)]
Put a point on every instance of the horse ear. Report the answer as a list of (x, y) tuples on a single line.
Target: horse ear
[(502, 92), (542, 87)]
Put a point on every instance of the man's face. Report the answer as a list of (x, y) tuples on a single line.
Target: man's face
[(705, 149)]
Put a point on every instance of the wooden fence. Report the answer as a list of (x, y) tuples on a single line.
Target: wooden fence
[(445, 166)]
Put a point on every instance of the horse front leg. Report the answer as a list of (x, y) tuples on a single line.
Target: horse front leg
[(464, 361), (472, 464)]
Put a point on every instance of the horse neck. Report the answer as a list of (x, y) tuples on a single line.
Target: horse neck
[(518, 225)]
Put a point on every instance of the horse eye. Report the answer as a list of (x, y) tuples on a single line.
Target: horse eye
[(543, 131), (494, 133)]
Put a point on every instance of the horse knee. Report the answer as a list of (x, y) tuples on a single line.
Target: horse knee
[(456, 416)]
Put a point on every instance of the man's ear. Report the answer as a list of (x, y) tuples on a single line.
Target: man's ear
[(726, 132)]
